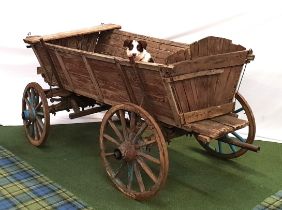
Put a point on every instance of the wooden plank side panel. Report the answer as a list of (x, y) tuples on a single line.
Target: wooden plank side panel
[(207, 113), (74, 64), (83, 42), (45, 63), (226, 85), (84, 84), (156, 100), (220, 85), (156, 93), (110, 81), (202, 82), (231, 84), (210, 62), (59, 70), (181, 97)]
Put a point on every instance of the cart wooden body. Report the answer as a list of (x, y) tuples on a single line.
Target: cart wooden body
[(190, 88)]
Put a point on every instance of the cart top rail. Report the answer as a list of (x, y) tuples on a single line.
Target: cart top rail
[(80, 32)]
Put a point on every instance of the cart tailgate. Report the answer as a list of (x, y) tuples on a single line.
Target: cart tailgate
[(218, 126)]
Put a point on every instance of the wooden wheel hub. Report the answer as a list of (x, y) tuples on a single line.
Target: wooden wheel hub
[(29, 114), (126, 151)]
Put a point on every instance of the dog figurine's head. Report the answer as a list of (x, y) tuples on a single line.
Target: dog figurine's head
[(136, 50)]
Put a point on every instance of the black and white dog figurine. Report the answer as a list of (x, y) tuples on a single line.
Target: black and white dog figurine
[(136, 51)]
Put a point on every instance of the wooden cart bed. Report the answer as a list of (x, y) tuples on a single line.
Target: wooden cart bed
[(187, 86)]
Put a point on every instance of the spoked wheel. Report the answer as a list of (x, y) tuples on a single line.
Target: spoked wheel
[(35, 114), (133, 151), (247, 134)]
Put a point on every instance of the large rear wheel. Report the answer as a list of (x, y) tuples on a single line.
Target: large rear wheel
[(133, 151)]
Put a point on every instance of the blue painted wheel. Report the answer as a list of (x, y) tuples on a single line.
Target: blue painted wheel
[(35, 114), (247, 134)]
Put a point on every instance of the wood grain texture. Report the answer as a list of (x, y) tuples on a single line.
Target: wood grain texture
[(207, 113), (62, 35), (217, 127)]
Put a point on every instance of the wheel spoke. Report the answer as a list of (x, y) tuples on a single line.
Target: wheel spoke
[(140, 131), (238, 136), (41, 114), (40, 123), (109, 154), (145, 143), (29, 96), (147, 169), (31, 129), (139, 177), (27, 102), (129, 175), (123, 124), (116, 130), (149, 157), (219, 146), (232, 147), (238, 110), (32, 96), (36, 136), (132, 121), (38, 105), (111, 139), (115, 174), (39, 130)]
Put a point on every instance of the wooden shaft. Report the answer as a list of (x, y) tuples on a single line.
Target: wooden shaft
[(87, 112), (244, 145)]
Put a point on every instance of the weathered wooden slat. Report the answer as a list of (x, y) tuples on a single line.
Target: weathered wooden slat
[(64, 70), (126, 83), (231, 83), (207, 113), (231, 121), (210, 128), (62, 35), (51, 64), (174, 105), (211, 62), (93, 78), (194, 74), (44, 62), (181, 96)]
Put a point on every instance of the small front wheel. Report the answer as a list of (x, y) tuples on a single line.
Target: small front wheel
[(35, 114), (133, 151)]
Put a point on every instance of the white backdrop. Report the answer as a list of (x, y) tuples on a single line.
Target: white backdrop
[(253, 24)]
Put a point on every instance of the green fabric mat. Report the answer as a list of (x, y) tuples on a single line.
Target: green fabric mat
[(22, 187), (195, 181)]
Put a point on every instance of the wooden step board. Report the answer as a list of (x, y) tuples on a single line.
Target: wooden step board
[(217, 127)]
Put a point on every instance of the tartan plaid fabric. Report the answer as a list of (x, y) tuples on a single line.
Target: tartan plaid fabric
[(22, 187), (273, 202)]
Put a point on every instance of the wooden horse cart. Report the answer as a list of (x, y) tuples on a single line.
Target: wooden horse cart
[(190, 89)]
